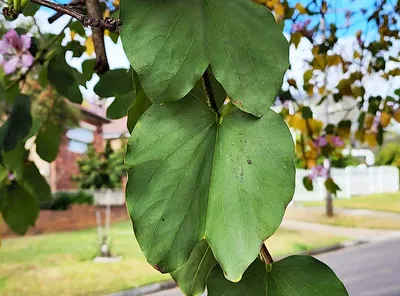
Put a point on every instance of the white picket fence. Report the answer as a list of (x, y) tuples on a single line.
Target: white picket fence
[(352, 181), (109, 197)]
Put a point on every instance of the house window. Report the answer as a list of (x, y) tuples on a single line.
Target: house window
[(79, 139)]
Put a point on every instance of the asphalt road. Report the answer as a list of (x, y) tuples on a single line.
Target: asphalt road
[(372, 269)]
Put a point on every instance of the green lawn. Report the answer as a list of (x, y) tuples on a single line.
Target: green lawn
[(389, 202), (317, 215), (61, 264)]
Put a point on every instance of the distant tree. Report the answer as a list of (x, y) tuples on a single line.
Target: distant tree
[(100, 170)]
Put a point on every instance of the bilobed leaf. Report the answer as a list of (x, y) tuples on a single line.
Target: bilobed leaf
[(114, 83), (18, 123), (48, 140), (195, 176), (170, 45), (34, 182), (119, 107), (295, 275), (64, 78), (20, 208), (192, 276)]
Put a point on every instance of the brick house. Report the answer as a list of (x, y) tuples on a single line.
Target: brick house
[(73, 144)]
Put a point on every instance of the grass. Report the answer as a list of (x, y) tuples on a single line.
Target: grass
[(317, 215), (61, 264), (388, 202)]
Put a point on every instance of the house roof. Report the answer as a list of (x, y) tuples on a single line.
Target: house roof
[(116, 129)]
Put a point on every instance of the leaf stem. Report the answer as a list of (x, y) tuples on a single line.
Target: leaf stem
[(209, 94), (108, 23), (266, 254)]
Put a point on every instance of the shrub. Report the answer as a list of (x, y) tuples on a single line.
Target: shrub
[(63, 200)]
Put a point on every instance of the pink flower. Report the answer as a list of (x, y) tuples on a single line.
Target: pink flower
[(15, 52), (337, 141), (300, 26), (11, 176), (318, 171), (321, 141)]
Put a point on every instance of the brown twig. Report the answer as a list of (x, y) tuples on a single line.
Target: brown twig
[(266, 255), (108, 23), (76, 3)]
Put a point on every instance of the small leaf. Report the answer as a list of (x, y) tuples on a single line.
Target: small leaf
[(64, 78), (331, 186), (14, 159), (20, 209), (294, 275), (34, 182), (114, 83), (31, 9), (308, 183), (48, 140), (76, 48), (18, 123), (192, 276), (120, 106)]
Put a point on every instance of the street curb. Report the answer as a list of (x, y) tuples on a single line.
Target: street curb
[(331, 248), (147, 289), (158, 287)]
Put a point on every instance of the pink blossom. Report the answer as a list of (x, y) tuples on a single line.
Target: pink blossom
[(11, 176), (318, 171), (15, 52), (321, 141), (337, 141), (300, 26)]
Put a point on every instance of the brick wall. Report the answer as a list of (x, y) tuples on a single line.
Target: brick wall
[(65, 166), (75, 218)]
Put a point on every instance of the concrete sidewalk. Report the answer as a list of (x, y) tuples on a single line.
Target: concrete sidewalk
[(354, 233)]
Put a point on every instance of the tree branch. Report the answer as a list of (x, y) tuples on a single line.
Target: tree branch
[(108, 23), (94, 11), (76, 3)]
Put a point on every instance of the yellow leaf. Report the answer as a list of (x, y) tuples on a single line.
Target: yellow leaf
[(385, 119), (334, 60), (279, 10), (370, 138), (72, 34), (368, 120), (89, 46), (357, 55), (396, 115), (301, 8)]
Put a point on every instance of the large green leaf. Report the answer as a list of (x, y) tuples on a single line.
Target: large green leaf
[(193, 175), (19, 207), (18, 123), (171, 43), (295, 275), (192, 276)]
